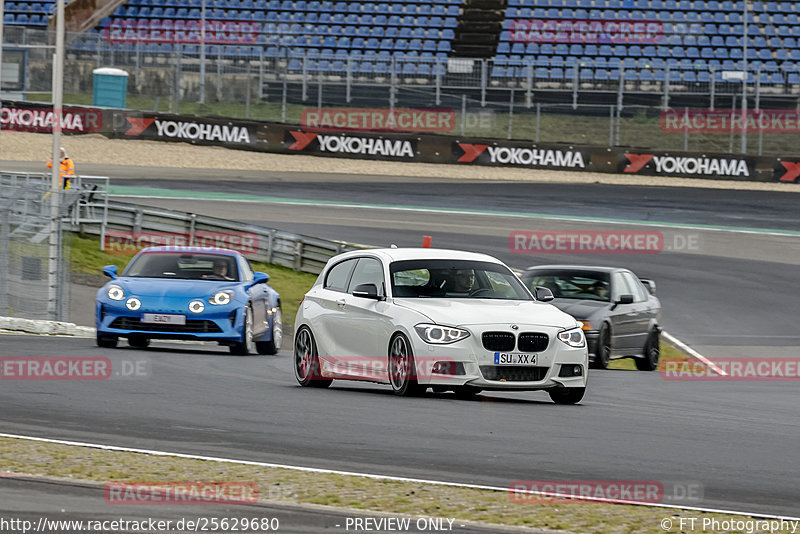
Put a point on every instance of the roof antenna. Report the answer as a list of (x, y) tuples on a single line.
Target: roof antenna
[(393, 246)]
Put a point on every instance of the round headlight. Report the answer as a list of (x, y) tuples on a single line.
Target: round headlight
[(115, 292), (133, 304), (221, 298), (196, 306)]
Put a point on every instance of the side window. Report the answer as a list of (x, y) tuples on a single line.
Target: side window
[(336, 279), (367, 271), (637, 290), (621, 287), (246, 270)]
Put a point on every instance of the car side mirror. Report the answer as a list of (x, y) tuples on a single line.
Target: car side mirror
[(110, 271), (625, 299), (543, 294), (649, 284), (259, 278), (367, 291)]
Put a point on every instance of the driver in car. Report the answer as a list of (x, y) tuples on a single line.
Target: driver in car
[(220, 270), (464, 281)]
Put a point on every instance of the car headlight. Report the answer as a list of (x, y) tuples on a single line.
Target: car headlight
[(133, 303), (196, 306), (440, 335), (115, 292), (221, 298), (573, 337)]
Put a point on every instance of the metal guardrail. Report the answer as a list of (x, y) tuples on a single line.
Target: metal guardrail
[(295, 251), (94, 214)]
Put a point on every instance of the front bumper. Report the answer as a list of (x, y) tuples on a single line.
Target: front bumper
[(215, 323), (469, 363)]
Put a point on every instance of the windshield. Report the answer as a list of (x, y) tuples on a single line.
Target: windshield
[(583, 285), (183, 266), (455, 279)]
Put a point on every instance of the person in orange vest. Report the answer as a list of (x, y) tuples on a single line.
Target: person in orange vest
[(67, 168)]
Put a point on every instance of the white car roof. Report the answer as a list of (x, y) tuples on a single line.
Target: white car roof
[(399, 254)]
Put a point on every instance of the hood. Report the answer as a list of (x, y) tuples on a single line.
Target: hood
[(158, 287), (580, 309), (463, 312)]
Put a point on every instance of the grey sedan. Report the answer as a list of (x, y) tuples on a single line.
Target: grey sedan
[(620, 313)]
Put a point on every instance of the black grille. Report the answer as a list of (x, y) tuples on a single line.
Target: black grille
[(533, 342), (498, 341), (192, 326), (513, 373)]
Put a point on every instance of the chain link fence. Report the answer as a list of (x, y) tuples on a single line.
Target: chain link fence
[(594, 100), (30, 247)]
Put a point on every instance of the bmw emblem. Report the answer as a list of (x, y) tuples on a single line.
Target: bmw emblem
[(514, 327)]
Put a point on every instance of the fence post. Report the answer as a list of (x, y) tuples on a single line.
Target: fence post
[(4, 251), (538, 119), (529, 92), (298, 254), (270, 245), (620, 98), (713, 87), (261, 74), (319, 93), (510, 113), (305, 77), (483, 83), (247, 87), (611, 126), (283, 102), (438, 81), (666, 88), (575, 87), (348, 78), (393, 86), (686, 129), (463, 113), (219, 74)]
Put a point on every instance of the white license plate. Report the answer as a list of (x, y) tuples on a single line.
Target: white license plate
[(514, 358), (162, 318)]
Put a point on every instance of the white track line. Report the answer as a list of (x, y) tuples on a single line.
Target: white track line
[(381, 477), (693, 353)]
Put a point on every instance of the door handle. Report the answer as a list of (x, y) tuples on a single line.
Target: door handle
[(340, 303)]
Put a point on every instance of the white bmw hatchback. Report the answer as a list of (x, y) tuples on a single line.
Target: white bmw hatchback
[(441, 319)]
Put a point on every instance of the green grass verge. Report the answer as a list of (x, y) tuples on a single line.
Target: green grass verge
[(642, 129), (280, 485), (668, 352), (87, 258)]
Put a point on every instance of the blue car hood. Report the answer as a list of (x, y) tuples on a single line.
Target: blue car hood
[(164, 287)]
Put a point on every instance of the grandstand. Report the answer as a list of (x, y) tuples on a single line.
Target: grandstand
[(539, 43)]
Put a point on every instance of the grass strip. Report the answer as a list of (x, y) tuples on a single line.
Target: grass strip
[(280, 485)]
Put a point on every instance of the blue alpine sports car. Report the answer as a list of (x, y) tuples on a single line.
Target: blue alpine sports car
[(189, 293)]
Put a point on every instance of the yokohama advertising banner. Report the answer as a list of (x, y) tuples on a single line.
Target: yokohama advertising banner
[(39, 118), (188, 129), (522, 155), (687, 164), (353, 145)]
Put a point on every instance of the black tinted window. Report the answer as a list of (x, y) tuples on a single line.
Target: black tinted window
[(338, 274)]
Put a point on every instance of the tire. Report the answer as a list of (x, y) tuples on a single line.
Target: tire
[(603, 349), (467, 392), (567, 395), (247, 345), (402, 369), (273, 345), (652, 352), (107, 342), (138, 342), (306, 360)]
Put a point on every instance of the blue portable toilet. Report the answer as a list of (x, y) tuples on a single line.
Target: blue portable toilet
[(110, 87)]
